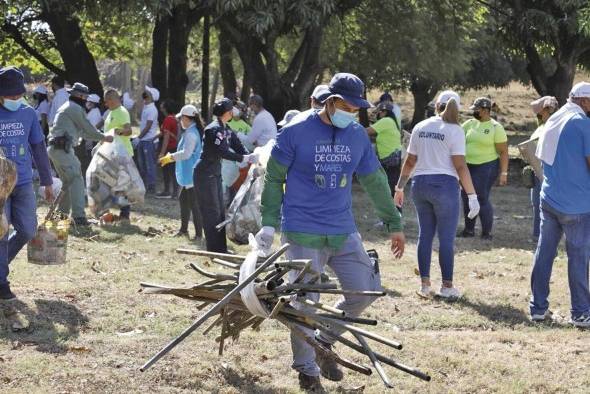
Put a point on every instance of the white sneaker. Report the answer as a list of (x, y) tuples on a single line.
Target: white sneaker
[(449, 293), (582, 321), (548, 315), (425, 292)]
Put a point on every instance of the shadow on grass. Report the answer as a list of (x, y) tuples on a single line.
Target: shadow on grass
[(246, 382), (49, 327), (391, 293), (498, 313), (128, 229)]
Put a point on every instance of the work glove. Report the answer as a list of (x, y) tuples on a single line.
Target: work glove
[(165, 160), (473, 206), (263, 240)]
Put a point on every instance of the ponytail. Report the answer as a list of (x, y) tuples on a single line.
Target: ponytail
[(450, 114)]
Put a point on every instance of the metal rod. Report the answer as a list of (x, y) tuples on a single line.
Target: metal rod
[(324, 307), (374, 360), (225, 263), (225, 256), (212, 274), (215, 309), (357, 320)]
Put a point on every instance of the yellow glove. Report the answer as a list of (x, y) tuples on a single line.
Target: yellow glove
[(164, 161)]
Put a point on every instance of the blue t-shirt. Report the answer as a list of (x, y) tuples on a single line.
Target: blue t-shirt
[(566, 186), (321, 161), (19, 130)]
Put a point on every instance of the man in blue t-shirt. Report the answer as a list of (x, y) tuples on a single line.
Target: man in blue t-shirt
[(564, 148), (315, 157), (21, 140)]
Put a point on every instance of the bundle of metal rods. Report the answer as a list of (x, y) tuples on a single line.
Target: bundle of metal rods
[(221, 292)]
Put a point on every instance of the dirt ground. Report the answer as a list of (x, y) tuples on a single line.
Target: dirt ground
[(84, 328)]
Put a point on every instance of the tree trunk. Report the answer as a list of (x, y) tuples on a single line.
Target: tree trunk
[(205, 69), (160, 54), (246, 87), (423, 92), (180, 28), (214, 89), (226, 67), (78, 61)]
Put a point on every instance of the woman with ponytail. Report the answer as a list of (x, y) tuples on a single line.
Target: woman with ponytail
[(436, 155)]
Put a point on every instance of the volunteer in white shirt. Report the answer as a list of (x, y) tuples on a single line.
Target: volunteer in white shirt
[(94, 117), (40, 97), (264, 126), (437, 155), (60, 97), (148, 126)]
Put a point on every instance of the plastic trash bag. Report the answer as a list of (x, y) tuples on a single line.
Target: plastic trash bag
[(243, 215), (7, 183), (112, 179)]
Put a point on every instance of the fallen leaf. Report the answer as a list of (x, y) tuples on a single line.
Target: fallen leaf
[(130, 333), (416, 272), (79, 349)]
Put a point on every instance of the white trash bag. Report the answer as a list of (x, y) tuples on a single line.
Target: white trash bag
[(112, 179), (243, 216)]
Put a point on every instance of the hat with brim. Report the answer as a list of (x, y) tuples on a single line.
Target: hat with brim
[(321, 93), (79, 88), (93, 98), (12, 82), (481, 103), (580, 90), (289, 115), (40, 89), (349, 88), (188, 110), (222, 106), (544, 102), (155, 93)]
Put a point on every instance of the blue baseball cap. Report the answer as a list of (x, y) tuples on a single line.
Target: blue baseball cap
[(349, 88), (12, 81)]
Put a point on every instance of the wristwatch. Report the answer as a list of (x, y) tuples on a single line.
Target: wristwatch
[(504, 173)]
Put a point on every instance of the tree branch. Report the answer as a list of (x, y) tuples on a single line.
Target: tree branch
[(17, 36)]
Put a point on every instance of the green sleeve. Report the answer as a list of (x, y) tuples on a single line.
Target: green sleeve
[(377, 188), (383, 124), (499, 134), (86, 129), (272, 193)]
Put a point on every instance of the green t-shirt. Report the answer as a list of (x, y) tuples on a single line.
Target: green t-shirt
[(239, 126), (481, 139), (388, 137), (116, 119)]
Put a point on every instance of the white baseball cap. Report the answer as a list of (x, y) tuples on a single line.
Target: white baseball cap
[(188, 110), (581, 89), (289, 115), (128, 102), (155, 93), (446, 95), (93, 98), (40, 89)]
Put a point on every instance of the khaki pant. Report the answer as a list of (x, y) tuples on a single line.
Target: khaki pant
[(68, 168)]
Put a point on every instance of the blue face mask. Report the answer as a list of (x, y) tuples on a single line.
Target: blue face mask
[(12, 105), (342, 119)]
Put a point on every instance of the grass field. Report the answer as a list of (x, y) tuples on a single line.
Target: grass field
[(84, 328)]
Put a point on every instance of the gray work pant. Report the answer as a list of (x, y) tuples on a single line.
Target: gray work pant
[(68, 168), (355, 271)]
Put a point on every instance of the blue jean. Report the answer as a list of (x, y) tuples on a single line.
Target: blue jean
[(577, 235), (483, 177), (146, 160), (536, 203), (21, 213), (436, 198)]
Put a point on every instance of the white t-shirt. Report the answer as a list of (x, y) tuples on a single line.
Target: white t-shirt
[(264, 129), (149, 112), (94, 116), (434, 141), (59, 98), (42, 108)]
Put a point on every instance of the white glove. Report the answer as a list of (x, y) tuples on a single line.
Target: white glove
[(473, 206), (264, 240)]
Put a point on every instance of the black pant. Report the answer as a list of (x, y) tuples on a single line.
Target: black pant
[(393, 173), (169, 176), (189, 204), (209, 192)]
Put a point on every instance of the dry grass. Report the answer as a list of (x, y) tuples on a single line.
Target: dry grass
[(86, 329)]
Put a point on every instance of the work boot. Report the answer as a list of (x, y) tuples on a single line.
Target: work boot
[(466, 234), (329, 368), (310, 383), (5, 293)]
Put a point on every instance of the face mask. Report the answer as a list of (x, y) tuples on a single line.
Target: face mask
[(341, 119), (12, 105), (476, 115), (80, 101), (89, 106)]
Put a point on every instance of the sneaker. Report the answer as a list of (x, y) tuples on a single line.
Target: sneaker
[(181, 233), (425, 292), (6, 294), (466, 234), (449, 293), (310, 383), (487, 237), (582, 321), (542, 317), (164, 196), (329, 369)]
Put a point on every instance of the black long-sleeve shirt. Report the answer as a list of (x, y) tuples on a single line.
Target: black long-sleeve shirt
[(217, 141)]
